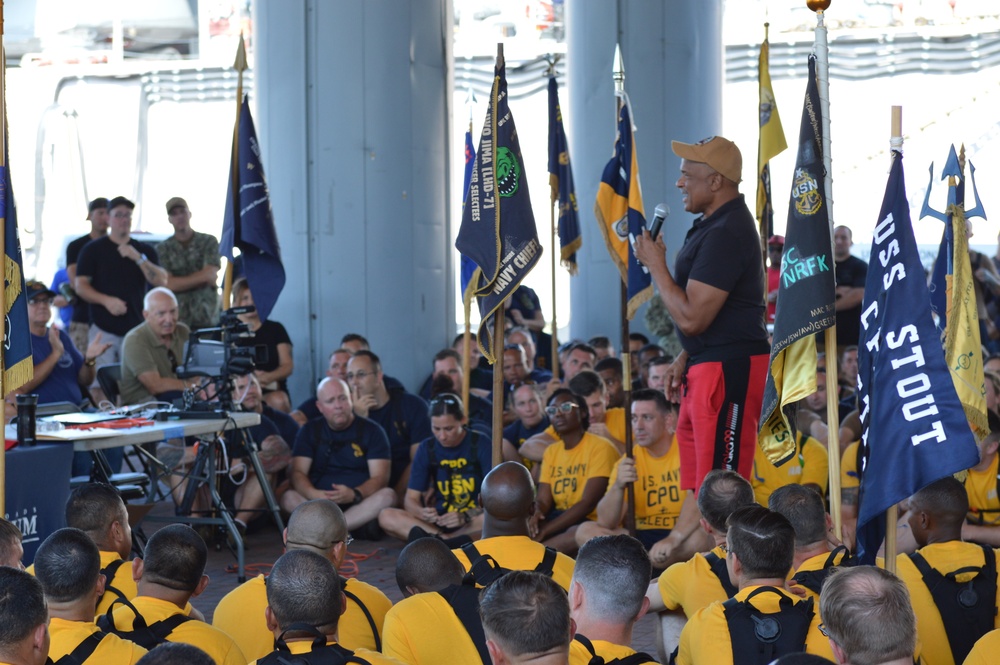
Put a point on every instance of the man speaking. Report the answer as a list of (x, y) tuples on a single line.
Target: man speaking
[(716, 298)]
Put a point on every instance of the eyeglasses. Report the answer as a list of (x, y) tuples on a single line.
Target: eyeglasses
[(173, 360), (823, 629), (565, 407), (360, 374), (41, 301)]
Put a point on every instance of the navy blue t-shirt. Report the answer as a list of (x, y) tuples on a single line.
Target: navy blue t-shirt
[(456, 473), (517, 433), (406, 421), (61, 385), (340, 457), (234, 439), (287, 427)]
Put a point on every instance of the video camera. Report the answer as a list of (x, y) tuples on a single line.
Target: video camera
[(219, 361)]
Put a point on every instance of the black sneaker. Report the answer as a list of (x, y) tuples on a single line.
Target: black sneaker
[(416, 533)]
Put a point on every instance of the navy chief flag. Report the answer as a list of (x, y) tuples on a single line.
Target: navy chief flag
[(561, 183), (248, 223), (498, 226), (914, 430)]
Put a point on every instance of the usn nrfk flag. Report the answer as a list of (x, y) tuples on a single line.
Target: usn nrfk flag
[(498, 227), (561, 183), (248, 223), (914, 430), (619, 211), (806, 292), (770, 144)]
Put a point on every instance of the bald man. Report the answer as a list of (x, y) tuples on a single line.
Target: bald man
[(508, 500), (342, 457), (316, 526)]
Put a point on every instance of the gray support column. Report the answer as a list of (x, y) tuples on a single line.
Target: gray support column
[(673, 57), (353, 115)]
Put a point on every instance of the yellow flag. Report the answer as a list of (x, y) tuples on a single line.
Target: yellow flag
[(771, 141), (962, 345)]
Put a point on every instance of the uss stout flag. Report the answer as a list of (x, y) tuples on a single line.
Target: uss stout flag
[(914, 430)]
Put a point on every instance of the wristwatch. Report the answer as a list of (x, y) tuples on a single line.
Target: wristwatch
[(358, 496), (90, 362)]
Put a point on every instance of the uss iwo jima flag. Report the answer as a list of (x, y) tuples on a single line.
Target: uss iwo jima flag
[(498, 226), (806, 292)]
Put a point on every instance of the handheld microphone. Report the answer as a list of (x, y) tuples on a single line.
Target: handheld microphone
[(659, 216)]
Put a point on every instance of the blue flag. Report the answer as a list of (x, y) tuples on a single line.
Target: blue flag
[(939, 276), (18, 367), (620, 214), (914, 430), (505, 246), (248, 223), (468, 266), (561, 183)]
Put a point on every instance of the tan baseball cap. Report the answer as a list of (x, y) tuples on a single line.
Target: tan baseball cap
[(176, 202), (719, 153)]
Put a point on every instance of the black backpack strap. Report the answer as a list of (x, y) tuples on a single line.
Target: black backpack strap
[(109, 572), (548, 563), (718, 566), (367, 613), (637, 658), (967, 609), (759, 638), (146, 636), (464, 601), (813, 579), (320, 654), (83, 650)]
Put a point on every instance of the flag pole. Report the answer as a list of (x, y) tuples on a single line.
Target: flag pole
[(467, 300), (830, 336), (553, 203), (240, 65), (3, 249), (498, 319), (618, 75), (891, 515)]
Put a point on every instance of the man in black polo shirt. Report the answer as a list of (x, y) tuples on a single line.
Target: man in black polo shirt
[(97, 215), (113, 274), (716, 298)]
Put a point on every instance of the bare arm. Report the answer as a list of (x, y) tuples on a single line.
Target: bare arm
[(848, 297), (156, 384), (611, 508), (207, 276), (87, 371), (300, 478), (592, 493), (692, 308), (84, 289), (153, 273), (378, 469), (284, 369), (984, 535), (534, 447)]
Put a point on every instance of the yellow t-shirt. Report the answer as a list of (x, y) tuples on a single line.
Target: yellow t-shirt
[(658, 493), (810, 465), (209, 639), (520, 553), (240, 613), (424, 630), (705, 639), (945, 558), (579, 655), (566, 472), (691, 585), (981, 486), (68, 635), (985, 650), (305, 646), (849, 476)]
